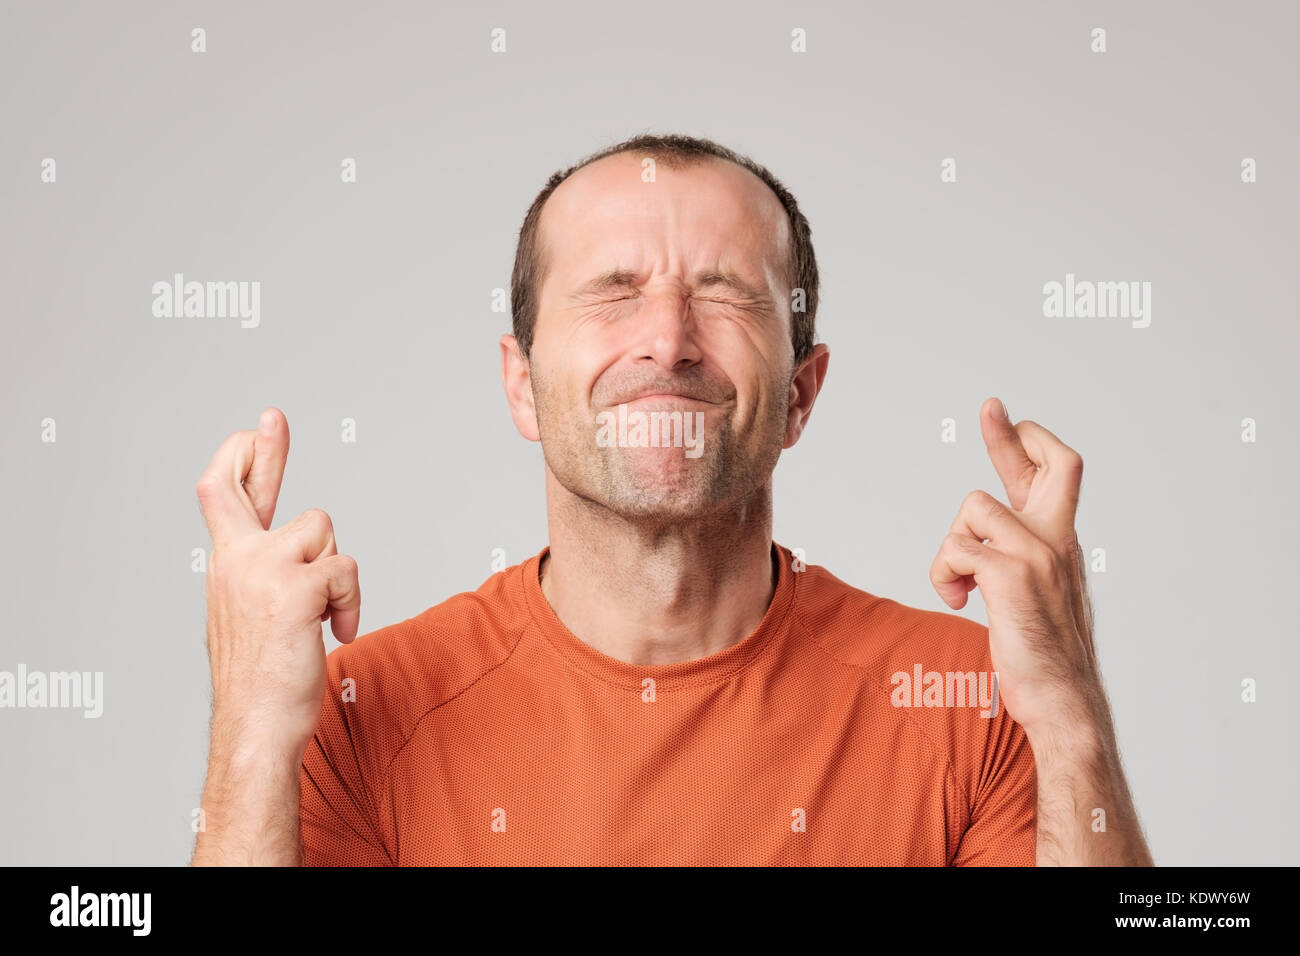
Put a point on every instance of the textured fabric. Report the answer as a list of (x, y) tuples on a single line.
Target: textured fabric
[(484, 732)]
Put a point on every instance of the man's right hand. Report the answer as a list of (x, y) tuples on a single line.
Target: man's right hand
[(268, 593)]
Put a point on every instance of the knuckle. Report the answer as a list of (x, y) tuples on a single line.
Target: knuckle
[(956, 543), (318, 519), (1042, 560), (992, 508), (981, 502), (206, 486)]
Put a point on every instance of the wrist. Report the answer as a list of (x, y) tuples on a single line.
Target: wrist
[(1079, 729), (255, 741), (1076, 743), (250, 807)]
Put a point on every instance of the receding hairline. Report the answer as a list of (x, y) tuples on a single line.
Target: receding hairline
[(675, 161)]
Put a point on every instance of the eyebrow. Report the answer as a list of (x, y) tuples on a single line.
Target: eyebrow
[(622, 279), (610, 279)]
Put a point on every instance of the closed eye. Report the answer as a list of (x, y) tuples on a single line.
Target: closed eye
[(733, 302)]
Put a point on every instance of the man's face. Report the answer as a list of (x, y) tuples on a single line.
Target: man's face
[(669, 297)]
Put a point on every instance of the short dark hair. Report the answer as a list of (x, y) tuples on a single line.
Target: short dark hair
[(675, 152)]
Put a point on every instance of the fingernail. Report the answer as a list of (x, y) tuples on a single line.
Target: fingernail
[(1005, 414), (267, 422)]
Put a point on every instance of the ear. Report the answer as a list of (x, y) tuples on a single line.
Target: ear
[(518, 384), (804, 388)]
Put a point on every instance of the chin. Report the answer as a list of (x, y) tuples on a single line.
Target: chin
[(671, 503)]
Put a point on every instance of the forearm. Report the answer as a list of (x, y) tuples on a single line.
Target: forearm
[(250, 806), (1079, 773)]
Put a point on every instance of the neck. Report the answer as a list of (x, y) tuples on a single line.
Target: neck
[(658, 594)]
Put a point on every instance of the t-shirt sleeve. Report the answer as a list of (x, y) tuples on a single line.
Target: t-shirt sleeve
[(1004, 808), (338, 804)]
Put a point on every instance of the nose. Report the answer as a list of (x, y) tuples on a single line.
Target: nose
[(666, 331)]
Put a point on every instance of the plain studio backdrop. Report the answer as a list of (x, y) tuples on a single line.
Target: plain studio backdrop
[(377, 306)]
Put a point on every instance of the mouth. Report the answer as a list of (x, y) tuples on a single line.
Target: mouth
[(665, 399)]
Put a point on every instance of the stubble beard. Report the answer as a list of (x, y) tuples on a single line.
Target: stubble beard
[(660, 487)]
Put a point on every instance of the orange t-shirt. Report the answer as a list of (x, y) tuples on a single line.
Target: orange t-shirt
[(483, 732)]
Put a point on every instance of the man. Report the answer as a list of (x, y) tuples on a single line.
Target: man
[(663, 683)]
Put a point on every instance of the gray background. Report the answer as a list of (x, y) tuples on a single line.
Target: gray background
[(376, 306)]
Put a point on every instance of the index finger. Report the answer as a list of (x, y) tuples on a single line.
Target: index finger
[(226, 508), (1060, 467)]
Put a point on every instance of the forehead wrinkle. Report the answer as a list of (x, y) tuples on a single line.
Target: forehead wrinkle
[(771, 229)]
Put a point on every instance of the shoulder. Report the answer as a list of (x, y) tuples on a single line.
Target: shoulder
[(883, 636), (927, 670), (401, 672)]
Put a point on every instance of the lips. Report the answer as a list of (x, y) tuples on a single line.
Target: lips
[(666, 397)]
